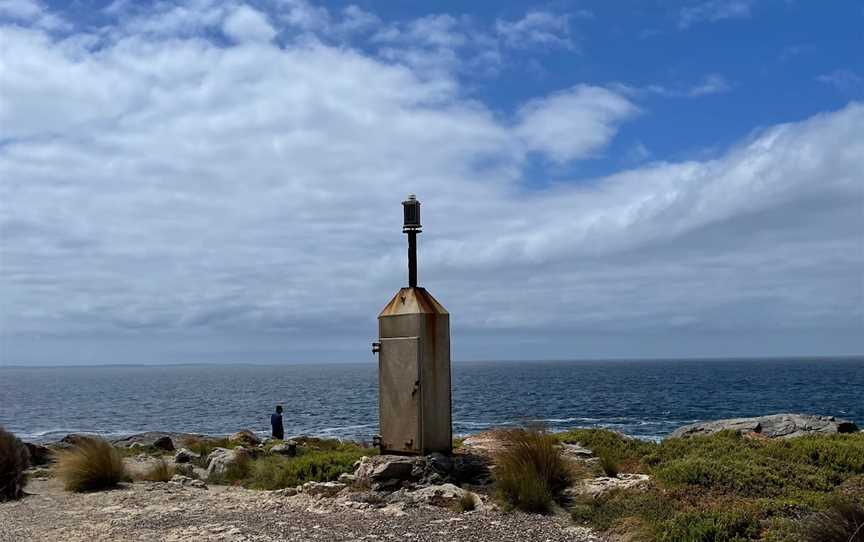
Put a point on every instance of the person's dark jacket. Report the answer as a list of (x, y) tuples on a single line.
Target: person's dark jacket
[(276, 424)]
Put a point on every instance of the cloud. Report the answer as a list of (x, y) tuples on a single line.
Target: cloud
[(713, 10), (573, 124), (844, 80), (31, 11), (537, 29), (713, 83), (247, 24), (188, 195)]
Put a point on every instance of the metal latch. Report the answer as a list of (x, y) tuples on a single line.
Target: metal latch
[(376, 347), (416, 387)]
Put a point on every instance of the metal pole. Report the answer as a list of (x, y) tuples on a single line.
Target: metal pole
[(412, 259)]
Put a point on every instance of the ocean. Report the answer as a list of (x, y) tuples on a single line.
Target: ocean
[(645, 399)]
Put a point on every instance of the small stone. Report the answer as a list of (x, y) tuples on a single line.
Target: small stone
[(185, 455), (164, 443)]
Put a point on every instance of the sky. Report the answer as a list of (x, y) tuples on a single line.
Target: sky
[(200, 181)]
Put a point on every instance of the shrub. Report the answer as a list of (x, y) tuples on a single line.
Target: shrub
[(604, 443), (711, 526), (465, 503), (162, 471), (14, 460), (92, 465), (841, 521), (530, 471), (609, 465), (275, 472), (617, 506)]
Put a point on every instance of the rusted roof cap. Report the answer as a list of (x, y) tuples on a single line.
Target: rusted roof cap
[(412, 301)]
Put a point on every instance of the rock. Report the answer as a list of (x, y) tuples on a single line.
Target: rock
[(347, 479), (151, 438), (246, 438), (286, 448), (486, 443), (39, 455), (188, 482), (185, 455), (164, 443), (446, 495), (75, 439), (326, 489), (287, 492), (221, 459), (575, 451), (604, 484), (772, 426), (384, 468)]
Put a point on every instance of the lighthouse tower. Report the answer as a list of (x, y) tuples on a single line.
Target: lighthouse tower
[(414, 402)]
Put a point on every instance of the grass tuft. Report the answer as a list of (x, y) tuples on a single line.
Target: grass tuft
[(465, 503), (14, 460), (92, 465), (530, 470), (161, 471), (841, 521), (609, 465)]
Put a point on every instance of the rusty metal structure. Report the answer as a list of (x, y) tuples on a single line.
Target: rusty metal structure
[(414, 400)]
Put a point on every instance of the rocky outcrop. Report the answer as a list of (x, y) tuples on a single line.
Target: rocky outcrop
[(39, 455), (221, 459), (246, 438), (772, 426), (391, 472), (604, 484), (155, 439), (185, 455), (288, 449), (325, 489)]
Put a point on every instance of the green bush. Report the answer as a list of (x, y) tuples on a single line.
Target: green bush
[(92, 465), (274, 472), (711, 526), (729, 487), (609, 465), (14, 460), (530, 470)]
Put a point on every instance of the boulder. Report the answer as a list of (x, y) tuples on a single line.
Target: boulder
[(185, 455), (446, 495), (75, 439), (245, 437), (155, 439), (603, 484), (772, 426), (326, 489), (39, 455), (286, 448), (164, 443), (221, 459), (383, 470)]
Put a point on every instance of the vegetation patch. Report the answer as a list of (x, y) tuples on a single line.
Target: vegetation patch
[(93, 464), (317, 460), (161, 471), (14, 460), (530, 470), (728, 487)]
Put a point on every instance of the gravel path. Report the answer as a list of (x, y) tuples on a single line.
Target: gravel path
[(170, 512)]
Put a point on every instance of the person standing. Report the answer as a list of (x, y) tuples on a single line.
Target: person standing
[(276, 423)]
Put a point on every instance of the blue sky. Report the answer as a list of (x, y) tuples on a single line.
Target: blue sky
[(599, 179)]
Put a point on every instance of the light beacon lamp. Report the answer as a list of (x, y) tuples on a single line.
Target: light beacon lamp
[(414, 402)]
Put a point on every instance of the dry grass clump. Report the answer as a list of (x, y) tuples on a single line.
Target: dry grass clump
[(161, 471), (465, 503), (92, 465), (609, 465), (530, 470), (14, 460), (841, 521)]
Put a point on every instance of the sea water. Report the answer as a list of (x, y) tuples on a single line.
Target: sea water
[(646, 399)]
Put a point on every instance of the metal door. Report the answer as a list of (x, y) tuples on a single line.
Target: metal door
[(399, 394)]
